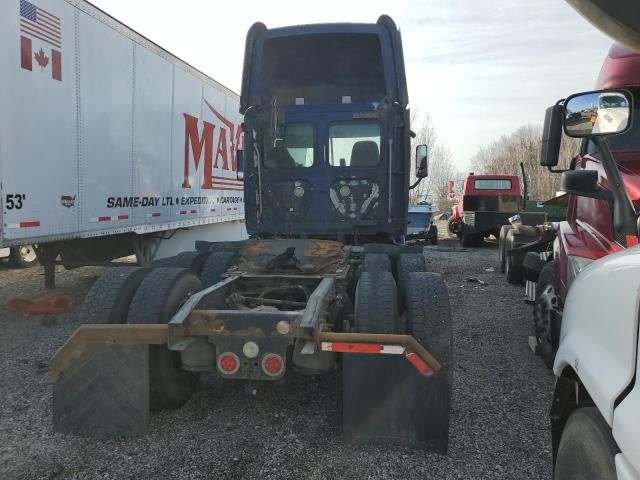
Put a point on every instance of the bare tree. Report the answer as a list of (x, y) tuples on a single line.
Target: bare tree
[(504, 156), (434, 188)]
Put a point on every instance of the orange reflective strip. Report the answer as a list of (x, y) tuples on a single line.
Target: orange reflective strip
[(356, 347), (417, 362)]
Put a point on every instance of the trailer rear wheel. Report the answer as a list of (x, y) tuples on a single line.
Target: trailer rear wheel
[(587, 448), (377, 262), (376, 304), (23, 256), (109, 298), (215, 266), (158, 298)]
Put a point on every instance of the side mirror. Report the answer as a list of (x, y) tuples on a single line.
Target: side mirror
[(551, 136), (583, 183), (422, 164), (603, 112), (240, 164)]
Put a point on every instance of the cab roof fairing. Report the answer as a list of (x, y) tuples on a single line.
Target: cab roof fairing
[(385, 28)]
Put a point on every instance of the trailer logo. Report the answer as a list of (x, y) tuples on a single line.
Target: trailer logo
[(40, 33), (68, 201), (229, 137)]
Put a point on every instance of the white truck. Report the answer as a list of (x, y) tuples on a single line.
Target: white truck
[(109, 144), (595, 413)]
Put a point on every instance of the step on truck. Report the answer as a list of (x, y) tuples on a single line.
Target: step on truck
[(110, 146), (596, 184), (322, 282)]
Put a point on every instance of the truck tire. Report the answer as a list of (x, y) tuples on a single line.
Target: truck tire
[(408, 263), (429, 317), (513, 269), (501, 246), (547, 319), (433, 235), (451, 228), (23, 256), (193, 260), (376, 304), (470, 239), (376, 262), (587, 448), (109, 298), (215, 266), (158, 298)]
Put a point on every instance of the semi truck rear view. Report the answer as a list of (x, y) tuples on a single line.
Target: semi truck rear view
[(323, 281)]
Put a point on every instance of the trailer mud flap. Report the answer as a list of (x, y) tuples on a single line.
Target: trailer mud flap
[(104, 392), (388, 401)]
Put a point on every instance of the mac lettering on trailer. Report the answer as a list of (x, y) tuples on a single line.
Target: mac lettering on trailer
[(228, 138), (40, 40)]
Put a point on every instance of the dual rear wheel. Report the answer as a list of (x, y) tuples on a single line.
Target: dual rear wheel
[(137, 295)]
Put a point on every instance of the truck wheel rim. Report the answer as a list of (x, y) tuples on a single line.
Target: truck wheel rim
[(27, 253), (546, 309)]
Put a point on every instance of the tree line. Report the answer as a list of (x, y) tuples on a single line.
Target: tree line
[(502, 156)]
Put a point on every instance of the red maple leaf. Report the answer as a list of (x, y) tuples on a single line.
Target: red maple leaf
[(42, 59)]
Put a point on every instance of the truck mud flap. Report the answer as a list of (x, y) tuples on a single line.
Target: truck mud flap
[(104, 392), (388, 401)]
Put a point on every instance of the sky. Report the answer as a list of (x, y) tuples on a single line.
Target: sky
[(480, 69)]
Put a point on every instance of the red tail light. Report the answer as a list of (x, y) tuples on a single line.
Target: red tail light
[(228, 363), (272, 364)]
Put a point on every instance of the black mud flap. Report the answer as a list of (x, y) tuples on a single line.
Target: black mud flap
[(387, 401), (104, 393)]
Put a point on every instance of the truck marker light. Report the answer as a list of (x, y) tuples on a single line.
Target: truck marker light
[(250, 349), (272, 364), (228, 363)]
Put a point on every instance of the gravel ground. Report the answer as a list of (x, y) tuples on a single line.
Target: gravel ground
[(499, 428)]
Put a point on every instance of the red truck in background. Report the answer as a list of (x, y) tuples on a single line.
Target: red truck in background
[(486, 204), (596, 225)]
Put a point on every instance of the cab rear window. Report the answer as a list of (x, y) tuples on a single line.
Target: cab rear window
[(492, 184)]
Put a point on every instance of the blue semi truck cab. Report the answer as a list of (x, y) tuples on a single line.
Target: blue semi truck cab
[(326, 132)]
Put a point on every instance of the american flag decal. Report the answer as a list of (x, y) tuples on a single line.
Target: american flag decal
[(44, 28)]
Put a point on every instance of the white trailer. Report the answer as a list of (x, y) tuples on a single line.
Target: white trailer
[(109, 144)]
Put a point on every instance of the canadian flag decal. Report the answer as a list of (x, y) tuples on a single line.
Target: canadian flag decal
[(37, 26)]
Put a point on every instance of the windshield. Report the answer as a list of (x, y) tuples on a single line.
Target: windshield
[(493, 184), (354, 145), (295, 149)]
